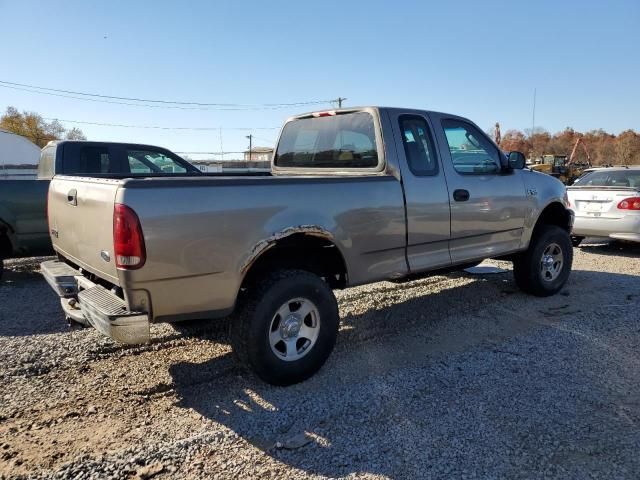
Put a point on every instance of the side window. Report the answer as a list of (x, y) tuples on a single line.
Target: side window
[(471, 152), (418, 146), (94, 160), (149, 161)]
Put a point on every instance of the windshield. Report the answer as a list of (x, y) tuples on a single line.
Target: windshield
[(337, 141), (610, 178)]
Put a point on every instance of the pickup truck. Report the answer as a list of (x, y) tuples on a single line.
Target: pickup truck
[(23, 219), (355, 196)]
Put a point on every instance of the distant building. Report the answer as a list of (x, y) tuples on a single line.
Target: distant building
[(259, 154)]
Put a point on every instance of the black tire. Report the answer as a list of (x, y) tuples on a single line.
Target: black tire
[(576, 241), (1, 267), (527, 267), (251, 325)]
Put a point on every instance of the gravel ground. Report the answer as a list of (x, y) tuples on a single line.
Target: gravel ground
[(456, 376)]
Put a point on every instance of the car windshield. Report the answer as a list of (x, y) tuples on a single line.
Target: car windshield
[(610, 178)]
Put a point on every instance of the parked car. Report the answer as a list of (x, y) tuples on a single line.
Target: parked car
[(355, 196), (606, 202), (23, 220)]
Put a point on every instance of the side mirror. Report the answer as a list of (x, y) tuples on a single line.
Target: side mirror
[(517, 160)]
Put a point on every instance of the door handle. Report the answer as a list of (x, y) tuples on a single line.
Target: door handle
[(72, 197), (461, 195)]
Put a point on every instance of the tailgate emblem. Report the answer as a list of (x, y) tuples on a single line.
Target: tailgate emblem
[(105, 256)]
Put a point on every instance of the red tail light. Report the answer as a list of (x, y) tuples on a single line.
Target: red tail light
[(128, 242), (631, 203)]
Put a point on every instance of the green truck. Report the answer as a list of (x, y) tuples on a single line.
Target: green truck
[(23, 209)]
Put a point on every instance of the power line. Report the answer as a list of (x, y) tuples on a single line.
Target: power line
[(157, 127), (264, 139), (169, 103)]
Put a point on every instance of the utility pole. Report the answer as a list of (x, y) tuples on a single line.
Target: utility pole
[(221, 149), (250, 137), (533, 124), (340, 100)]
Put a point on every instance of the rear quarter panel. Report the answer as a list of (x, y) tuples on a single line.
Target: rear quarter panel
[(200, 234)]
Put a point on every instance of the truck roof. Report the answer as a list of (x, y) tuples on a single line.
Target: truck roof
[(92, 142), (332, 111)]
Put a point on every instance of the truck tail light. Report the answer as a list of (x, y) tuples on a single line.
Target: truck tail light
[(631, 203), (128, 242)]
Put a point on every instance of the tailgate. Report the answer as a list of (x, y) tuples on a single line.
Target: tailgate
[(598, 201), (81, 222)]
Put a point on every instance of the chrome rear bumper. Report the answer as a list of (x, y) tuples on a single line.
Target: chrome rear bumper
[(87, 302)]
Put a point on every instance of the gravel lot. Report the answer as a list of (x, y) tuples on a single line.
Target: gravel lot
[(456, 376)]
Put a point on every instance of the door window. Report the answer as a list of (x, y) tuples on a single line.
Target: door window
[(418, 146), (471, 151)]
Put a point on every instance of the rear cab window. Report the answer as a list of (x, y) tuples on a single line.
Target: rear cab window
[(145, 161), (343, 141), (610, 178)]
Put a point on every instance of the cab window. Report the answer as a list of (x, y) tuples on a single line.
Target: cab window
[(418, 146), (346, 140)]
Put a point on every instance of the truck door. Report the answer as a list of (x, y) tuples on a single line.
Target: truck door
[(425, 189), (488, 206)]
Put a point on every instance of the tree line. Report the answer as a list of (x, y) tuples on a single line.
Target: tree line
[(32, 126), (604, 148)]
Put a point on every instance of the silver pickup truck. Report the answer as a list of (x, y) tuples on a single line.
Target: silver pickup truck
[(355, 196)]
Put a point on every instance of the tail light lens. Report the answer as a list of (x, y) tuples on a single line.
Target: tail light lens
[(631, 203), (128, 242)]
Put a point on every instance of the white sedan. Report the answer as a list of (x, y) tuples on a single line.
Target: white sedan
[(606, 203)]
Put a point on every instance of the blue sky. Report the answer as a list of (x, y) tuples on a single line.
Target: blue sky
[(477, 59)]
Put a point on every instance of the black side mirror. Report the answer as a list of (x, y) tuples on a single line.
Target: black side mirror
[(517, 160)]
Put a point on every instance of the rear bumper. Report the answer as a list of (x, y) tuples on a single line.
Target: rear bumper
[(87, 302), (624, 228)]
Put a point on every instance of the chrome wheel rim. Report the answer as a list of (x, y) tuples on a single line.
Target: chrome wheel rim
[(551, 262), (294, 329)]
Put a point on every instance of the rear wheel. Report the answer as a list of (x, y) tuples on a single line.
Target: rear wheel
[(286, 328), (545, 267)]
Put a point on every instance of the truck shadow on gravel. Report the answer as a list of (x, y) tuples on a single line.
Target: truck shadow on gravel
[(614, 248), (415, 387)]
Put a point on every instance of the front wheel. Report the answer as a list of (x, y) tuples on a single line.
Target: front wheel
[(544, 268), (286, 328)]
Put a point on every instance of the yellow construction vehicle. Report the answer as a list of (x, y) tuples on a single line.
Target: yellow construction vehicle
[(566, 169)]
